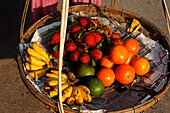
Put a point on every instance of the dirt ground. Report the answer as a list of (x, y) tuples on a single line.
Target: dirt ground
[(14, 96)]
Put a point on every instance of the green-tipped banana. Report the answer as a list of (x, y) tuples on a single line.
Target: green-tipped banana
[(31, 67), (35, 60), (79, 100), (34, 53), (76, 92), (70, 100), (85, 92), (37, 74), (40, 50)]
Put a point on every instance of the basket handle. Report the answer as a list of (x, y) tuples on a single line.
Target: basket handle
[(113, 3), (23, 20)]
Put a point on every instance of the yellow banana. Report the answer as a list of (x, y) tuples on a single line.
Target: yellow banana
[(64, 98), (135, 25), (52, 75), (37, 74), (31, 67), (54, 83), (71, 75), (70, 100), (33, 52), (34, 60), (48, 89), (87, 98), (76, 92), (85, 89), (68, 91), (79, 100), (53, 93), (85, 92), (40, 50), (50, 79), (63, 86), (54, 71)]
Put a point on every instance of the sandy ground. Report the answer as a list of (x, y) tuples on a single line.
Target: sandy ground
[(14, 96)]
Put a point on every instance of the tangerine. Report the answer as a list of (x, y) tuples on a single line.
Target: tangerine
[(107, 75), (119, 54), (141, 66), (132, 46), (124, 74), (106, 62), (130, 59)]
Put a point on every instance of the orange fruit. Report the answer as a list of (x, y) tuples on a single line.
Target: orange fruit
[(132, 46), (124, 74), (130, 59), (95, 86), (107, 75), (106, 62), (141, 66), (119, 54)]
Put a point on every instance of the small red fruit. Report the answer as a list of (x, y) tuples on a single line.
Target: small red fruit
[(75, 29), (55, 39), (79, 41), (70, 46), (97, 36), (56, 54), (96, 54), (115, 35), (84, 58), (74, 56), (90, 40), (83, 21), (117, 41)]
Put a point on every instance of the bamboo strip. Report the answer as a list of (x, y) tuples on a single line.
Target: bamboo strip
[(64, 16), (167, 15)]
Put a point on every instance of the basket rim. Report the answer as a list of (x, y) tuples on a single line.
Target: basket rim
[(48, 102)]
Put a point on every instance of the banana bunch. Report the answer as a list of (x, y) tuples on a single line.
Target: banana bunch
[(79, 94), (70, 92), (52, 82), (37, 61)]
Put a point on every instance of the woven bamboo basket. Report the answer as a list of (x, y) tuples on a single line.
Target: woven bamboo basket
[(109, 12)]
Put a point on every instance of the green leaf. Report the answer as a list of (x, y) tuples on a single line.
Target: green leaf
[(99, 25), (56, 47), (99, 45), (100, 31), (93, 62), (74, 20), (80, 34), (103, 28)]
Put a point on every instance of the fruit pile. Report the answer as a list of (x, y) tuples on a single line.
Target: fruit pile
[(99, 56)]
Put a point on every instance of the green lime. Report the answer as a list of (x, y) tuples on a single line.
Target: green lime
[(85, 70), (96, 86)]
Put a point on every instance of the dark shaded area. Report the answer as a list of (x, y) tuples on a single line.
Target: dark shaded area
[(10, 19)]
